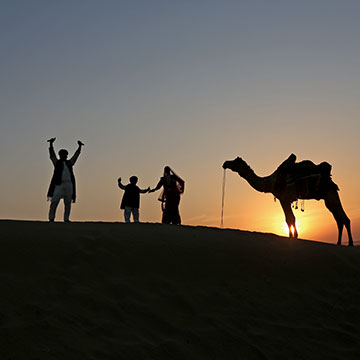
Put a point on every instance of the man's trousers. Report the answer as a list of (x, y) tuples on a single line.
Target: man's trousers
[(62, 191)]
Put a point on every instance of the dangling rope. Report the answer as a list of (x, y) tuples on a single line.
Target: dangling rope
[(223, 200)]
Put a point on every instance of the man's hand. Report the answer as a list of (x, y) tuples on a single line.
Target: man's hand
[(119, 179), (51, 141), (148, 189), (80, 143)]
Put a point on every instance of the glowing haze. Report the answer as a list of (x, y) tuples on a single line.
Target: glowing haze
[(188, 84)]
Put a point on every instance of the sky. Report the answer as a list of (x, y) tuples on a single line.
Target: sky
[(188, 84)]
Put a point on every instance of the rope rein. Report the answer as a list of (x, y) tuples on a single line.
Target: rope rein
[(223, 200)]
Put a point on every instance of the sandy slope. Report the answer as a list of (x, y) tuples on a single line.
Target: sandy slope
[(150, 291)]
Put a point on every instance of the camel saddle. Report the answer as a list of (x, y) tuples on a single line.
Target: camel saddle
[(304, 179)]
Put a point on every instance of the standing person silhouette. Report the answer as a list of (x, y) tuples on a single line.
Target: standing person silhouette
[(62, 185), (173, 187), (130, 202)]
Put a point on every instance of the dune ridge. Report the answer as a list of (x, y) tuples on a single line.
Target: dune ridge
[(151, 291)]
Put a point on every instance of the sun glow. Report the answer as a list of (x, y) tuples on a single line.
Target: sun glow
[(285, 228), (292, 230)]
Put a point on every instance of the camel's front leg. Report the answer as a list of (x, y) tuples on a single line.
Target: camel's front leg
[(341, 221), (290, 218), (333, 203)]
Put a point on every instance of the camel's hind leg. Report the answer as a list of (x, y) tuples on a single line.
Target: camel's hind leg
[(333, 203)]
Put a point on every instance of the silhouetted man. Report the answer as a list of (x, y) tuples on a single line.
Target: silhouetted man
[(62, 184)]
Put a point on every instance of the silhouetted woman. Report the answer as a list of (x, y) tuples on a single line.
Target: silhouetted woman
[(173, 187)]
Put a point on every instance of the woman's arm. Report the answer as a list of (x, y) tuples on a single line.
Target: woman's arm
[(158, 186)]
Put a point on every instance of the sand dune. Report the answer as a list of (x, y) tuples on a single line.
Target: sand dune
[(151, 291)]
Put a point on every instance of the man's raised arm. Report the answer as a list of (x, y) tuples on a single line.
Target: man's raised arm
[(52, 154), (77, 153)]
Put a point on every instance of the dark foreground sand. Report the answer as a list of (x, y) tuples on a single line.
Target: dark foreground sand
[(149, 291)]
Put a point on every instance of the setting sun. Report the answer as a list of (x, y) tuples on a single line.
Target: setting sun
[(292, 230), (285, 228)]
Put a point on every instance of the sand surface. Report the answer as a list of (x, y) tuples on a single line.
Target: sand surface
[(150, 291)]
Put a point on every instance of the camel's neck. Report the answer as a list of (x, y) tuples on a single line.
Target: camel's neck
[(262, 184)]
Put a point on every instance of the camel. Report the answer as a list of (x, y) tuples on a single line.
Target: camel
[(297, 180)]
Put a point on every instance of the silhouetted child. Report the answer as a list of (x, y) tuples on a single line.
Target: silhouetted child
[(130, 202)]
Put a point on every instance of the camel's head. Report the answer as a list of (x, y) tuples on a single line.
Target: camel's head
[(238, 165)]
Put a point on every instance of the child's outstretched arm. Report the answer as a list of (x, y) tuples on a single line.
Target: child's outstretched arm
[(121, 186), (145, 190)]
